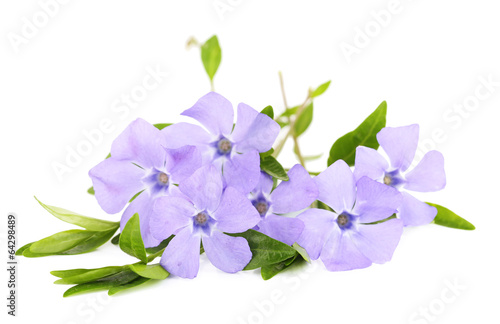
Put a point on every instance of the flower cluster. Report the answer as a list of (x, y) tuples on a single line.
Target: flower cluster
[(201, 183)]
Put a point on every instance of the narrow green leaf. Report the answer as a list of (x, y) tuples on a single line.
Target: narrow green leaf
[(91, 191), (161, 246), (267, 153), (95, 241), (211, 56), (116, 239), (23, 248), (268, 111), (61, 241), (304, 120), (131, 239), (366, 135), (446, 217), (117, 279), (272, 167), (265, 250), (134, 283), (312, 157), (289, 112), (92, 224), (81, 276), (152, 271), (161, 126), (320, 90), (303, 253)]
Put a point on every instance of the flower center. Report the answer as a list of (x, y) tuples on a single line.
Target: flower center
[(394, 179), (261, 204), (224, 146), (162, 178), (342, 220), (201, 219), (261, 208), (387, 180)]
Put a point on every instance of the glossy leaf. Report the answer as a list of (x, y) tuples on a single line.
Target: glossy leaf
[(446, 217), (152, 271), (131, 239), (268, 111), (304, 120), (366, 135), (211, 56), (80, 276), (265, 250), (320, 90), (89, 223), (272, 167), (117, 279)]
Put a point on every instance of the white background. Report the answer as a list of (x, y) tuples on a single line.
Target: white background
[(429, 57)]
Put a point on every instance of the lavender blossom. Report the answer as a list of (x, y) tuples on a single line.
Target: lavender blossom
[(139, 163), (204, 213), (234, 151), (348, 237), (288, 197), (400, 145)]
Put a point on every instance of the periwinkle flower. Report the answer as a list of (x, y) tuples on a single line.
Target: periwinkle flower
[(139, 163), (288, 197), (234, 151), (204, 213), (349, 237), (400, 145)]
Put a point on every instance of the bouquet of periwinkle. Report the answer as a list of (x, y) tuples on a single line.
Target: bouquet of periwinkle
[(216, 187)]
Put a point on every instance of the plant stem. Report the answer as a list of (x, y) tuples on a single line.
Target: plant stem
[(291, 125)]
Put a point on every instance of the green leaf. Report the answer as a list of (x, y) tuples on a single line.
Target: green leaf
[(366, 135), (92, 224), (131, 239), (304, 120), (117, 279), (161, 126), (267, 153), (290, 112), (116, 239), (446, 217), (269, 271), (161, 246), (265, 250), (152, 271), (303, 253), (61, 241), (80, 276), (272, 167), (134, 283), (312, 157), (211, 56), (91, 191), (23, 248), (96, 240), (321, 89), (268, 111)]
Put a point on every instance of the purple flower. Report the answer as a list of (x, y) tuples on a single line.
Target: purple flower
[(345, 239), (400, 145), (290, 196), (139, 163), (233, 151), (204, 214)]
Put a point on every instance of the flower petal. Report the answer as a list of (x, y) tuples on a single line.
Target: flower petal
[(170, 214), (340, 253), (369, 163), (428, 175), (141, 143), (214, 112), (242, 171), (413, 212), (336, 187), (319, 224), (204, 188), (260, 135), (378, 242), (229, 254), (142, 205), (236, 213), (281, 228), (182, 162), (115, 182), (265, 184), (296, 194), (400, 144), (182, 255), (245, 118), (182, 134), (375, 201)]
